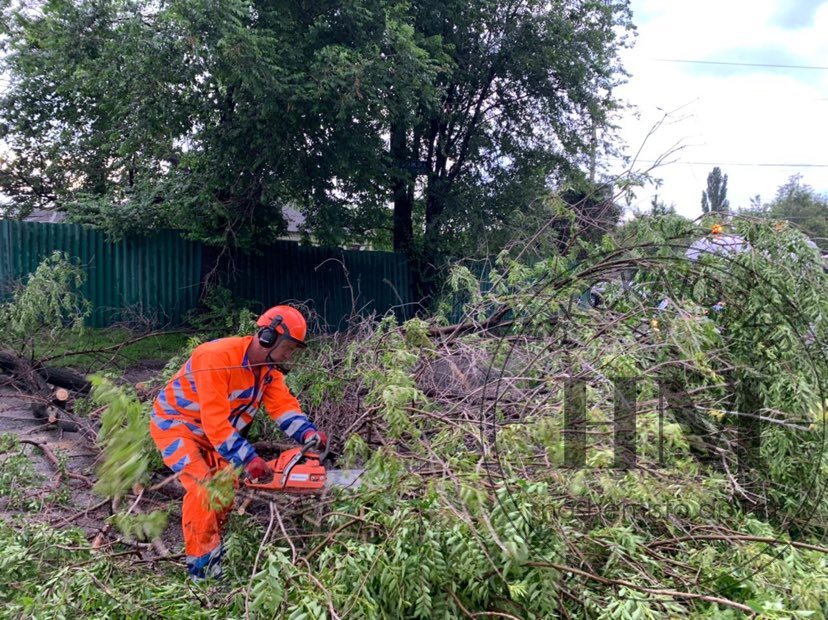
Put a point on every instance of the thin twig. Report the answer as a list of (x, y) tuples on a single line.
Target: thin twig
[(115, 347), (256, 561), (287, 537), (656, 591), (50, 456), (740, 537)]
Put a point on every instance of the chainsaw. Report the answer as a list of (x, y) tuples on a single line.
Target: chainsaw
[(300, 470)]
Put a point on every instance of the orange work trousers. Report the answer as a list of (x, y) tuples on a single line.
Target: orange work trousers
[(196, 461)]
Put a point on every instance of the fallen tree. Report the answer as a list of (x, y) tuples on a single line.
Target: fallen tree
[(43, 311), (467, 506), (22, 372)]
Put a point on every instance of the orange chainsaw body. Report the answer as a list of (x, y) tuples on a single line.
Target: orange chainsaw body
[(294, 471)]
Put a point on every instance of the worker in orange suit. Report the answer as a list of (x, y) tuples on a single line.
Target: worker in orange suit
[(199, 420)]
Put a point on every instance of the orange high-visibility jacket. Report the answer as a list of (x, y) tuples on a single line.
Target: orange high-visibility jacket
[(215, 395)]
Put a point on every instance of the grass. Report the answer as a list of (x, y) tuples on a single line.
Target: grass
[(158, 347)]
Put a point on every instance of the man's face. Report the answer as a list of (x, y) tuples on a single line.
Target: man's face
[(280, 354), (283, 351)]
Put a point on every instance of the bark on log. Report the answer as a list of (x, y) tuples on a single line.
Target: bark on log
[(64, 378), (34, 380), (20, 370)]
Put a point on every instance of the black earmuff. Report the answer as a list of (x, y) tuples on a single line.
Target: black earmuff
[(268, 336)]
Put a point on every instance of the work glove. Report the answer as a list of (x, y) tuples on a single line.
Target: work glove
[(322, 438), (258, 470)]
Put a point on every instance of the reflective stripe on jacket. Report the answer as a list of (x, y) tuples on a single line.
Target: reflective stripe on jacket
[(215, 395)]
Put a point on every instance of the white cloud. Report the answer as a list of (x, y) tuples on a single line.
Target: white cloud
[(728, 114)]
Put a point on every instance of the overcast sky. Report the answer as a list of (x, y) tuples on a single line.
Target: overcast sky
[(728, 114)]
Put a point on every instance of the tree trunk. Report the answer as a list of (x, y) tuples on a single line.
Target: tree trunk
[(434, 208), (34, 376), (64, 378), (403, 197)]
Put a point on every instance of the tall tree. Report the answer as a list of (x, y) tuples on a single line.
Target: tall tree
[(801, 205), (206, 116), (524, 92), (211, 116), (714, 198)]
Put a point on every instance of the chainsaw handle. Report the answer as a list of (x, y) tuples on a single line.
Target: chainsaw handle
[(310, 443), (306, 448), (313, 442)]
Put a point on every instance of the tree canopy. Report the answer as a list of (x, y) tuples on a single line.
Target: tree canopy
[(801, 205), (213, 116)]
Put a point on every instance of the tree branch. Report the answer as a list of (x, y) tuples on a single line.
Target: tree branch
[(656, 591)]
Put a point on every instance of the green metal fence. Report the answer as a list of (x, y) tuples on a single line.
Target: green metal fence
[(334, 283), (154, 276), (161, 276)]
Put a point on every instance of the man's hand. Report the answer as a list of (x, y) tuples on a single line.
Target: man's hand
[(321, 438), (258, 470)]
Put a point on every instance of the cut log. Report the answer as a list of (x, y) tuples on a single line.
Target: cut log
[(47, 404), (25, 376), (64, 378), (22, 370)]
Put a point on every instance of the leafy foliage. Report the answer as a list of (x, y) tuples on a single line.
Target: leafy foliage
[(803, 207), (141, 527), (466, 507), (17, 475), (474, 539), (52, 573), (212, 117), (128, 450), (514, 103), (223, 314), (48, 307)]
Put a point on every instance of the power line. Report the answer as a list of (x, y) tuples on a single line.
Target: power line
[(720, 163), (747, 164), (742, 64)]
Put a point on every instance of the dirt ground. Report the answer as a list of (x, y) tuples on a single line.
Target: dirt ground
[(67, 500)]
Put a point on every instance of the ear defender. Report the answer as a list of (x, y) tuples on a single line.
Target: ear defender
[(268, 335)]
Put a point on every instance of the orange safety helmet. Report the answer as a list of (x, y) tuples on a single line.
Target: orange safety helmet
[(281, 322)]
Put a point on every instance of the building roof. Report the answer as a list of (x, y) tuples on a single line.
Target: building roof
[(295, 219), (45, 216)]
